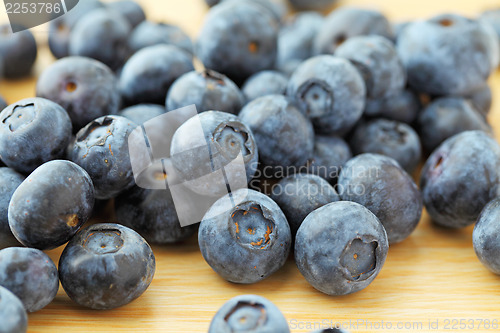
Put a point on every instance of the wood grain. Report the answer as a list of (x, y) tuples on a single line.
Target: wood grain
[(434, 275)]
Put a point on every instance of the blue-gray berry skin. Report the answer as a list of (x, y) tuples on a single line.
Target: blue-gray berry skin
[(150, 33), (330, 91), (276, 8), (86, 88), (332, 330), (141, 113), (339, 27), (448, 54), (404, 106), (61, 27), (23, 124), (381, 185), (238, 39), (492, 17), (12, 313), (312, 4), (445, 117), (390, 138), (102, 34), (398, 28), (152, 213), (284, 136), (298, 195), (18, 52), (296, 38), (486, 236), (129, 9), (329, 156), (46, 224), (3, 103), (69, 148), (212, 3), (199, 157), (9, 182), (101, 148), (106, 266), (482, 99), (245, 243), (378, 62), (340, 248), (264, 83), (30, 275), (249, 313), (149, 73), (207, 90), (460, 177)]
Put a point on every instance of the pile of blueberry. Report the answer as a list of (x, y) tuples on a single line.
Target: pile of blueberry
[(331, 117)]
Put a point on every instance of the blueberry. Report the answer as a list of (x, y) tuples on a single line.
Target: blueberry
[(284, 136), (312, 4), (69, 147), (378, 62), (101, 148), (298, 195), (460, 178), (152, 213), (42, 224), (141, 113), (131, 10), (486, 236), (149, 73), (85, 88), (22, 124), (106, 266), (390, 138), (246, 242), (30, 275), (403, 106), (445, 117), (339, 27), (264, 83), (340, 248), (18, 52), (492, 17), (330, 155), (381, 185), (9, 181), (12, 313), (296, 38), (331, 330), (275, 7), (448, 54), (61, 27), (330, 91), (238, 39), (149, 33), (3, 103), (207, 90), (481, 98), (249, 313), (398, 28), (102, 35), (209, 154)]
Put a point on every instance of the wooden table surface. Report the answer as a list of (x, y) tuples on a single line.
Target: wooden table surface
[(433, 277)]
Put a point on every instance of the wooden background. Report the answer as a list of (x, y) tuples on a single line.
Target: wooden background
[(433, 276)]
